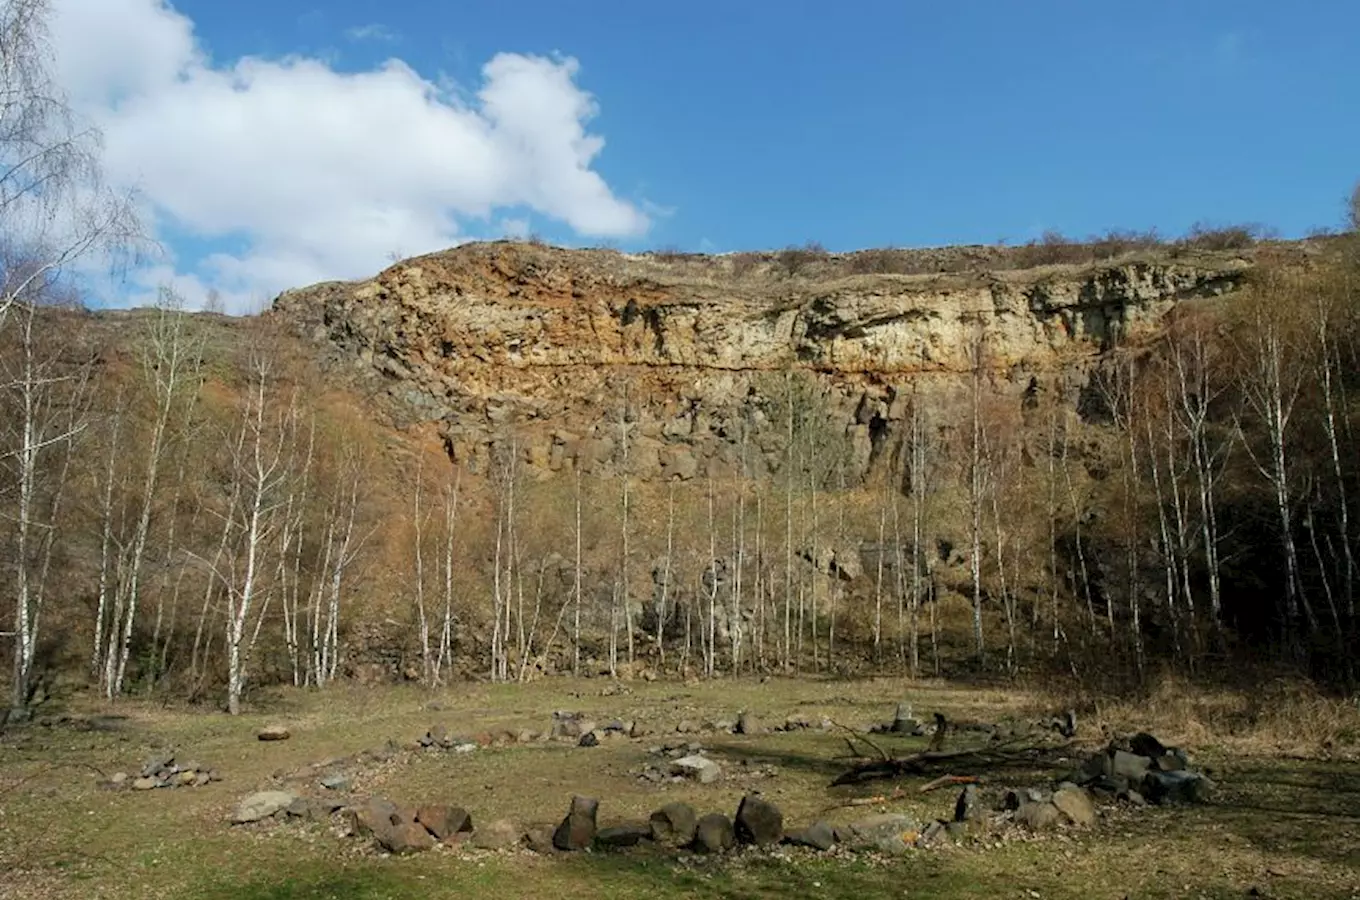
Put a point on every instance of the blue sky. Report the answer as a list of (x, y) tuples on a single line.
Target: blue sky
[(866, 123), (754, 124)]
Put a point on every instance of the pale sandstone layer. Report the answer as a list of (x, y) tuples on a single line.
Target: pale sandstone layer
[(695, 359)]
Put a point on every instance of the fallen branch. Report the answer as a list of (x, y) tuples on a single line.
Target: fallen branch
[(857, 736), (922, 763)]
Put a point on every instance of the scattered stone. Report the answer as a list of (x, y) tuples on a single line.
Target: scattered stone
[(904, 721), (1107, 786), (673, 824), (1132, 797), (1172, 761), (1144, 744), (119, 779), (818, 836), (373, 816), (934, 833), (444, 821), (186, 778), (312, 810), (886, 831), (589, 739), (145, 784), (262, 805), (627, 835), (1129, 765), (1074, 803), (157, 764), (1165, 788), (335, 782), (527, 736), (759, 821), (274, 733), (501, 834), (967, 807), (1038, 816), (747, 723), (565, 725), (201, 779), (697, 768), (714, 833), (577, 830), (408, 837), (539, 839)]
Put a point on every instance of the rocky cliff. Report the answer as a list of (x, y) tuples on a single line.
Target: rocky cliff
[(685, 366)]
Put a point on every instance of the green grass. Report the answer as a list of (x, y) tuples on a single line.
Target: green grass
[(1287, 827)]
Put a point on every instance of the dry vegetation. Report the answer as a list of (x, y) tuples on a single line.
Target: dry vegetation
[(1285, 827)]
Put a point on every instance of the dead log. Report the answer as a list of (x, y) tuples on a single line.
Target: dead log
[(978, 758)]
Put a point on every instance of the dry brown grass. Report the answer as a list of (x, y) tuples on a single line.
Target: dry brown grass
[(1281, 824), (1280, 716)]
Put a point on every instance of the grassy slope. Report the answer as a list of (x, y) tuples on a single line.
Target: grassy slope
[(1288, 827)]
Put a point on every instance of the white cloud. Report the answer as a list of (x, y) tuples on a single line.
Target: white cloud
[(372, 32), (324, 173)]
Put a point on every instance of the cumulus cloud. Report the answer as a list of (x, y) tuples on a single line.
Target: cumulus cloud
[(321, 174)]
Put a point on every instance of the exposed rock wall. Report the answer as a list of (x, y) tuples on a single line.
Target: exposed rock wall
[(695, 363)]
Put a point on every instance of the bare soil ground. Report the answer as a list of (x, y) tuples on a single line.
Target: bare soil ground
[(1281, 824)]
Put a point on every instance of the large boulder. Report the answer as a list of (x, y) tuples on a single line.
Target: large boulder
[(818, 836), (1039, 816), (373, 816), (759, 821), (714, 833), (262, 805), (747, 723), (673, 824), (629, 834), (697, 768), (408, 837), (888, 832), (1176, 787), (1075, 805), (444, 822), (577, 830), (1145, 744), (501, 834)]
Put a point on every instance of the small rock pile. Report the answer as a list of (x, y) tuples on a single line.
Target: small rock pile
[(1142, 770), (162, 771), (439, 738), (575, 727)]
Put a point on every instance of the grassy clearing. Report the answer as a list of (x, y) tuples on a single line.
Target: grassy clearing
[(1289, 827)]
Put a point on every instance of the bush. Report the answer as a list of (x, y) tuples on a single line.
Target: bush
[(745, 263), (1230, 237), (673, 255), (1052, 249), (794, 260), (1116, 242)]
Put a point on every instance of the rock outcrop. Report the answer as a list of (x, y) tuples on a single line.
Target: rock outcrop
[(699, 363)]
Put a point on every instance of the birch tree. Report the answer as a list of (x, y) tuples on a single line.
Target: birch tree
[(55, 212)]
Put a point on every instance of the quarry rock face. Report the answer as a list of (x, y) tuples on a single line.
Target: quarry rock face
[(694, 364)]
